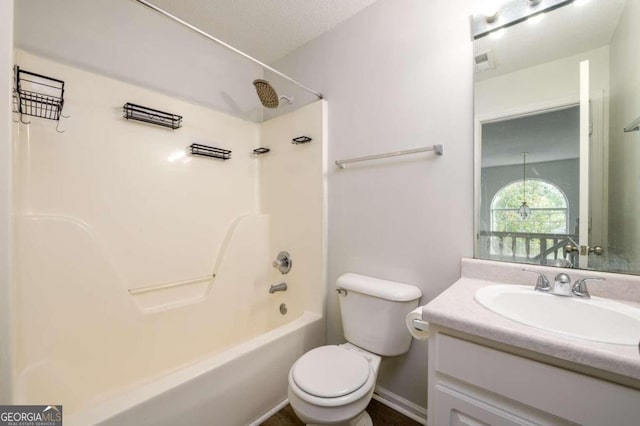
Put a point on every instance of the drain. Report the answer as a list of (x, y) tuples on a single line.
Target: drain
[(283, 309)]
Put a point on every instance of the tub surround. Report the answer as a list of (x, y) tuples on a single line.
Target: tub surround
[(456, 310), (111, 214)]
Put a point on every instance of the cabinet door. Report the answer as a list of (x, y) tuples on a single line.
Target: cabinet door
[(458, 409)]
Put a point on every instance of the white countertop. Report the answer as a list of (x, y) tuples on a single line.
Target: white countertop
[(457, 309)]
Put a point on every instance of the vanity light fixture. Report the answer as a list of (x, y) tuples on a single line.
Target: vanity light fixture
[(536, 19), (497, 34), (495, 15), (524, 211)]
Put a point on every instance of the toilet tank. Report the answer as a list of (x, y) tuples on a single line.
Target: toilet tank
[(373, 313)]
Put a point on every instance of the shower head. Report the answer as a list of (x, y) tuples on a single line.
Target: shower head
[(268, 95)]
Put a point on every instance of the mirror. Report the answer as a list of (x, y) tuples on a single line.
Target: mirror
[(557, 141)]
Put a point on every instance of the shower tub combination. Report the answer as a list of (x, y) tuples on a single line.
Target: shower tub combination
[(142, 273)]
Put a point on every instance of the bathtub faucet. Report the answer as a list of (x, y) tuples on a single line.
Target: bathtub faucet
[(278, 287)]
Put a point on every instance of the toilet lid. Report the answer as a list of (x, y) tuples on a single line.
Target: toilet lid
[(330, 372)]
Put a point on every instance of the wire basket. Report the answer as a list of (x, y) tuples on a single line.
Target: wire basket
[(152, 116), (209, 151), (37, 95)]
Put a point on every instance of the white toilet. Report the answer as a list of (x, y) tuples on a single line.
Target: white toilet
[(334, 384)]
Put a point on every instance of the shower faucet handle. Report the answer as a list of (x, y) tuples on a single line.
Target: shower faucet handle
[(283, 262)]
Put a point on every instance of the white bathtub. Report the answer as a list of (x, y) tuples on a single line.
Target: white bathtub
[(235, 387)]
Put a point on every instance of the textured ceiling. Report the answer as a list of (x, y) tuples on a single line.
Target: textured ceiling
[(566, 31), (265, 29)]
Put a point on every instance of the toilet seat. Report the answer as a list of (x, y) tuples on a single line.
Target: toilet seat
[(331, 376), (330, 372)]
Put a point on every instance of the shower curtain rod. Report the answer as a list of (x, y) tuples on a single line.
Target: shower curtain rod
[(233, 49)]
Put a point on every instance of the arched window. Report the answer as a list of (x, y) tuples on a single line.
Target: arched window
[(549, 208)]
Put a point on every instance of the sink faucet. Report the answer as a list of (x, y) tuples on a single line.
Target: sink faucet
[(562, 285), (278, 287)]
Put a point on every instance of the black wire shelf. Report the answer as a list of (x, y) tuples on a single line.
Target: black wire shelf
[(300, 140), (261, 150), (209, 151), (37, 95), (152, 116)]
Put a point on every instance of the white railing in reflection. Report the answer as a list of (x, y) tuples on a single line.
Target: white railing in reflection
[(524, 246)]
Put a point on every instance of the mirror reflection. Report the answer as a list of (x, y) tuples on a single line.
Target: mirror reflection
[(557, 156)]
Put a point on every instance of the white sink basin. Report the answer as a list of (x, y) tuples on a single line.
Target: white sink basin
[(595, 319)]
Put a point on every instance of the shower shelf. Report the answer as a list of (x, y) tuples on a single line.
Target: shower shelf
[(150, 115), (38, 95), (209, 151), (634, 126), (301, 139), (261, 150)]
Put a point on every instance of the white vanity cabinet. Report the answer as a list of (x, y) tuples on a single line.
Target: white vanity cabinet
[(471, 384)]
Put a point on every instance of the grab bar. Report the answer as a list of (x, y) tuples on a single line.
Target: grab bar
[(437, 148), (140, 290)]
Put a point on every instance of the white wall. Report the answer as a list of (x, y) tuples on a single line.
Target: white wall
[(624, 227), (6, 140), (405, 85), (541, 84)]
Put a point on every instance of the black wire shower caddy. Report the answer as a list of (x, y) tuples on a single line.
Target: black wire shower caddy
[(37, 95), (209, 151), (300, 140), (153, 116), (261, 150)]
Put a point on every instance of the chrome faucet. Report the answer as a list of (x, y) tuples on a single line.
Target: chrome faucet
[(278, 287), (562, 285)]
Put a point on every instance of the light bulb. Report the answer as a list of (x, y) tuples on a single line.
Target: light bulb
[(488, 9)]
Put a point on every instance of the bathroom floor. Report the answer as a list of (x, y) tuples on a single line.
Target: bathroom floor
[(380, 414)]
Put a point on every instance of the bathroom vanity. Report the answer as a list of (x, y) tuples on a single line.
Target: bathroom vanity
[(488, 369)]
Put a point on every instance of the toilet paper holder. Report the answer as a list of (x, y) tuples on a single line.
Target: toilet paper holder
[(420, 325)]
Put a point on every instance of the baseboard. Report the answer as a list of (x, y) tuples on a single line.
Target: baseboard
[(382, 395), (263, 418), (401, 405)]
